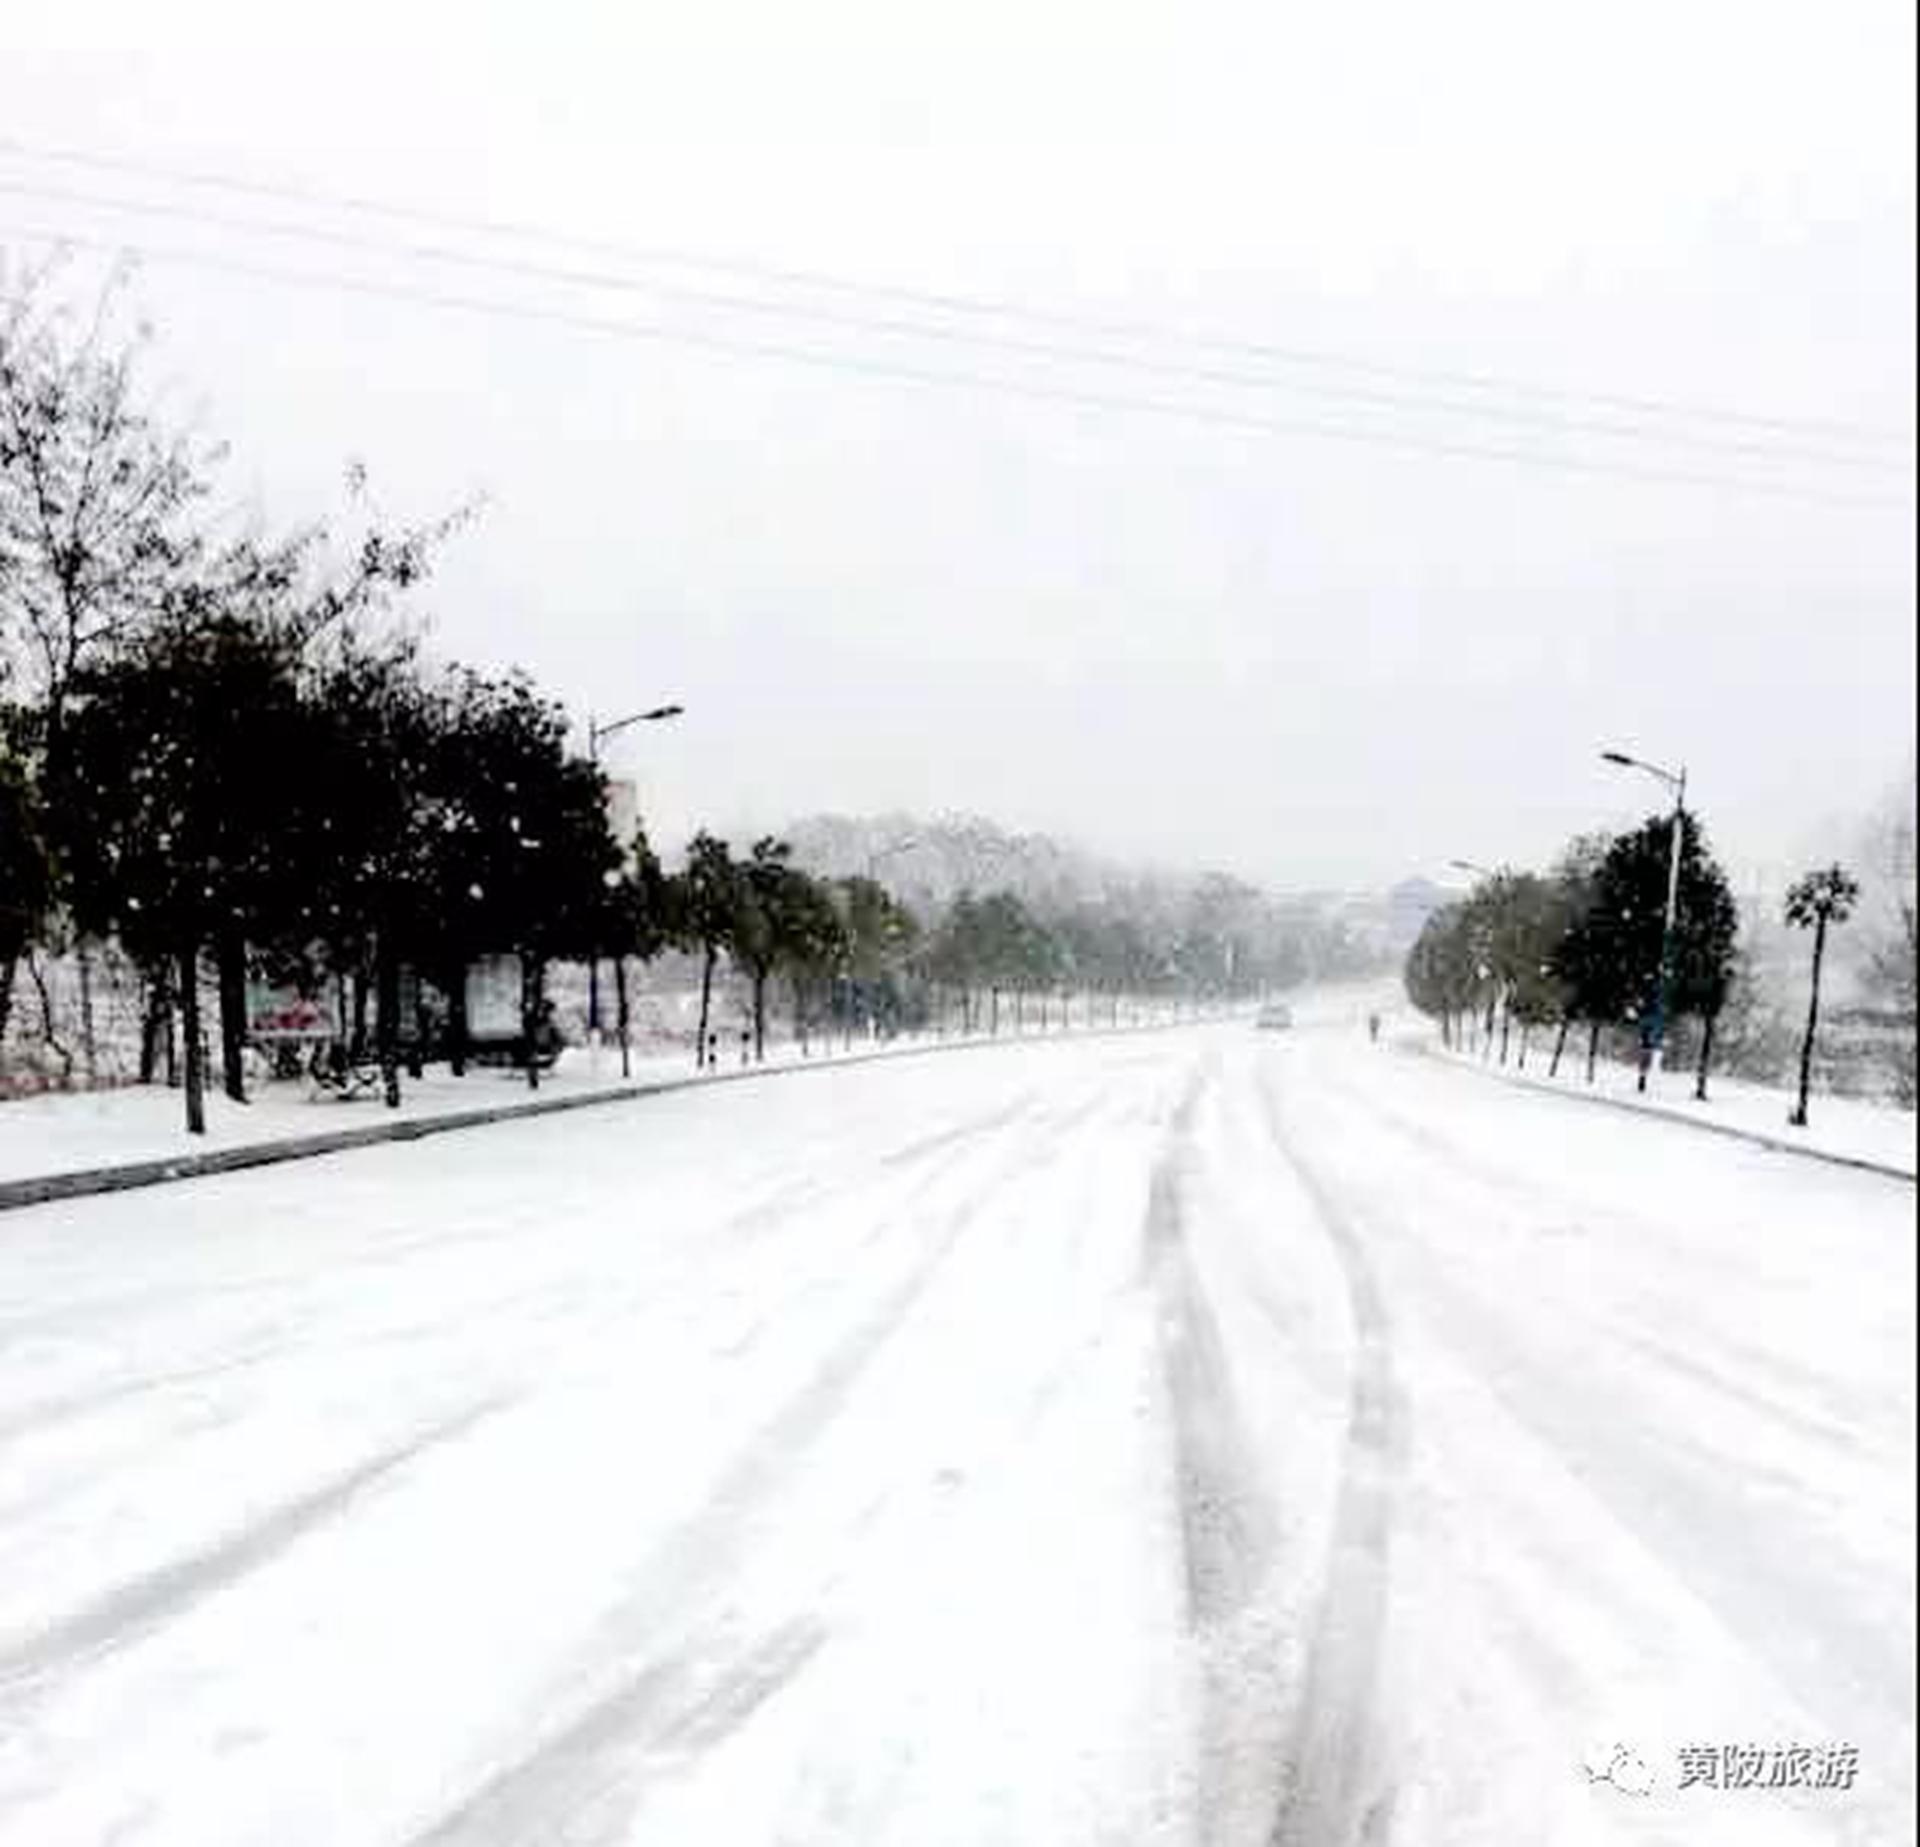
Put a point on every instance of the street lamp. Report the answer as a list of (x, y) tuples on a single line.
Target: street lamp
[(597, 734), (1675, 780)]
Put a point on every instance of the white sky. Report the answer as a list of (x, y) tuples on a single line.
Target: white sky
[(1314, 661)]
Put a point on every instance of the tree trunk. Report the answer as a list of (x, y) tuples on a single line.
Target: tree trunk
[(1486, 1034), (623, 1014), (1799, 1116), (706, 1004), (759, 1016), (994, 1027), (386, 977), (89, 1045), (48, 1036), (1593, 1049), (358, 1047), (1707, 1028), (457, 1018), (1506, 1026), (8, 965), (1525, 1028), (417, 1042), (153, 1020), (1559, 1046), (230, 957), (190, 1029), (533, 979)]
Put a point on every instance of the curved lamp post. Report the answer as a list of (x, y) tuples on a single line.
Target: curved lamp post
[(1675, 781), (597, 734)]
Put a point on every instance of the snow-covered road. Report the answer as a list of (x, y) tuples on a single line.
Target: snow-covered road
[(1207, 1436)]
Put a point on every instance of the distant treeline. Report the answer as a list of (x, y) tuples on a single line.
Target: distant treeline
[(226, 752), (1586, 947)]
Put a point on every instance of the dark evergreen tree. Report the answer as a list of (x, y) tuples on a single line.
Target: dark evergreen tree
[(707, 903), (169, 811), (1631, 901)]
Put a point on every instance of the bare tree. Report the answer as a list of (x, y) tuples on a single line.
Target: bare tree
[(1887, 847), (96, 496)]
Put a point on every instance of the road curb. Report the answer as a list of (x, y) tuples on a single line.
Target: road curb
[(125, 1176), (1753, 1137)]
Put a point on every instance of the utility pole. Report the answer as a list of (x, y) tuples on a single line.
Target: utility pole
[(597, 733), (1654, 1037)]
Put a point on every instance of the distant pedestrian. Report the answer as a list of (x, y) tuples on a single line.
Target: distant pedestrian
[(1373, 1028)]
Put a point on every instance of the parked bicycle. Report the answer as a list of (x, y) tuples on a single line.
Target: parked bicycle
[(332, 1070)]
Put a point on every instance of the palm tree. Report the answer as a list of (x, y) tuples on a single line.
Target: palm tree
[(1813, 902)]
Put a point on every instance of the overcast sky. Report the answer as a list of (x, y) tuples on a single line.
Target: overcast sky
[(1266, 624)]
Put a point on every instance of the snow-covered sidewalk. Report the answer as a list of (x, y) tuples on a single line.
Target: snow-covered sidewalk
[(62, 1134), (1840, 1128)]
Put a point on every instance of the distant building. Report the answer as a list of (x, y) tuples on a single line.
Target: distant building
[(493, 995), (1409, 905)]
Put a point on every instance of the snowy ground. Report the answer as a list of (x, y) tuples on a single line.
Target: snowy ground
[(1208, 1436), (71, 1132), (67, 1132), (1854, 1127)]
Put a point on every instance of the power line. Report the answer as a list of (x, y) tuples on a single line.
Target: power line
[(843, 362), (947, 302), (1611, 429)]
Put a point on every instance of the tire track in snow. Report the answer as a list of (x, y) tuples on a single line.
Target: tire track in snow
[(1338, 1792), (780, 1203), (1223, 1531), (1684, 1499), (581, 1785), (142, 1605), (1228, 1527), (780, 1199), (583, 1782)]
